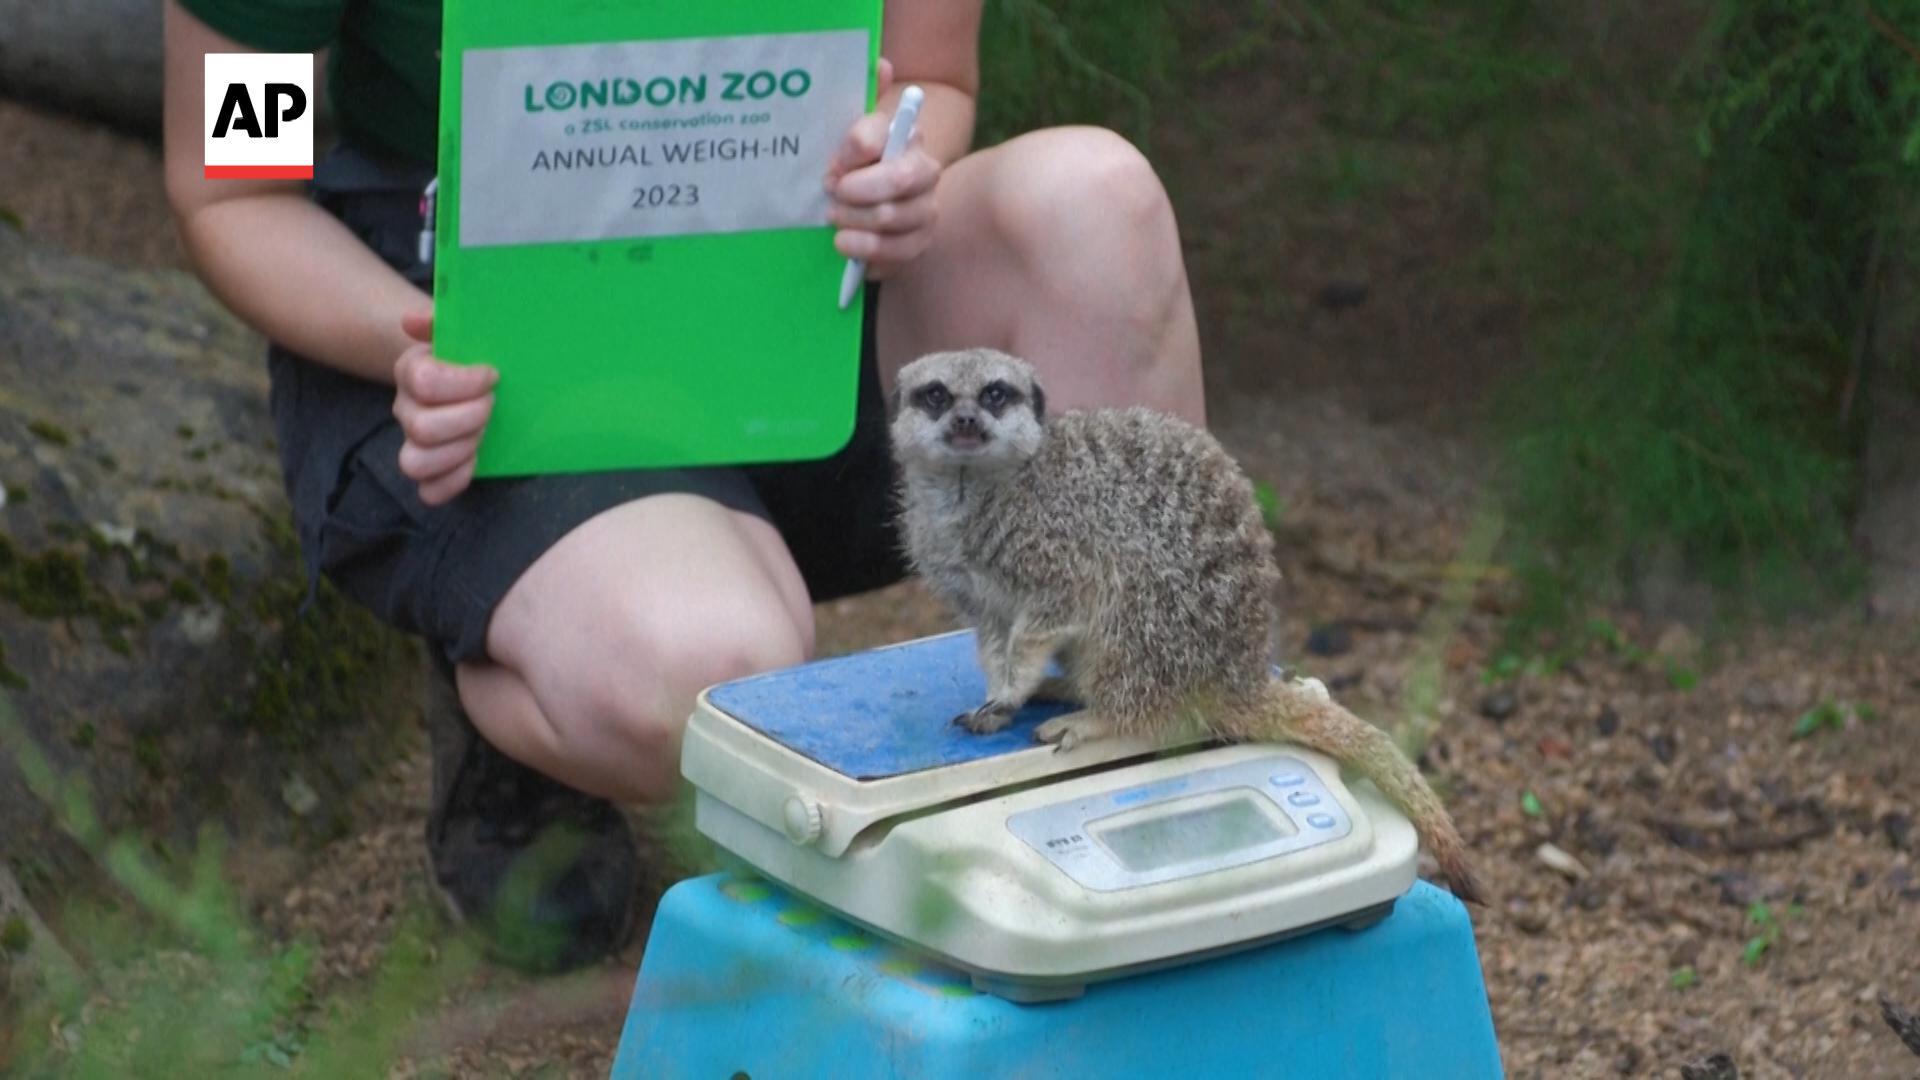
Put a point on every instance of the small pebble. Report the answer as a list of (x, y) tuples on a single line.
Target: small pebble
[(1530, 920), (1664, 747), (299, 796), (1677, 643), (118, 535), (201, 625), (1712, 1067), (1685, 953), (1560, 862), (1899, 829), (1738, 888), (1340, 556), (1499, 705)]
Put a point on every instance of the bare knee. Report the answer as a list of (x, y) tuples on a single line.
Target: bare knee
[(665, 660), (690, 655), (1077, 197), (1093, 235)]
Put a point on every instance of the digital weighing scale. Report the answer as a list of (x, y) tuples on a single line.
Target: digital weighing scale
[(1036, 872)]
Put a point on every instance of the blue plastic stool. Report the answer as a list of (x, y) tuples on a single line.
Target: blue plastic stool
[(742, 980)]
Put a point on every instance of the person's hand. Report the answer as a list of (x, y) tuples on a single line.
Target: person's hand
[(442, 409), (884, 212)]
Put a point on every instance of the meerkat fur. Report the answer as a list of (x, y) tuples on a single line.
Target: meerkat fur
[(1126, 545)]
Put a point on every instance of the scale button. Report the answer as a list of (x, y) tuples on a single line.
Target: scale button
[(1303, 798), (1287, 779), (1320, 821), (805, 819)]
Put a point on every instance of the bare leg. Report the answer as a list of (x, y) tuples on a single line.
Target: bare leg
[(1059, 246), (601, 646)]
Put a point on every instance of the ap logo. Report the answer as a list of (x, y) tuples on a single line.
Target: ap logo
[(259, 120)]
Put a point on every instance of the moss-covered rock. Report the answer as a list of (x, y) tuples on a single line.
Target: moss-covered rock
[(101, 58), (151, 598)]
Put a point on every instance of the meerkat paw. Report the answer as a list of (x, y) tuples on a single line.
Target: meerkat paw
[(986, 719), (1067, 732)]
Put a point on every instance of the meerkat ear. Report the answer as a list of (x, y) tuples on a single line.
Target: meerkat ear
[(1039, 401)]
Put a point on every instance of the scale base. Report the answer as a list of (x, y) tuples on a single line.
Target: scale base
[(1037, 992), (742, 979)]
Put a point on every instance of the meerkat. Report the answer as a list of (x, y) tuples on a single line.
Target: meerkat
[(1126, 546)]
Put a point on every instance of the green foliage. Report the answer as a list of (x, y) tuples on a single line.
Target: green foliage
[(15, 935), (1693, 206), (1683, 977), (178, 982), (1530, 804), (1697, 416), (1047, 62), (57, 583), (1766, 931), (1596, 635), (9, 678), (1409, 68), (1424, 687), (1511, 665), (1271, 508), (1829, 716), (48, 431)]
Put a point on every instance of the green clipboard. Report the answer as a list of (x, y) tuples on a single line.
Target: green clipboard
[(630, 226)]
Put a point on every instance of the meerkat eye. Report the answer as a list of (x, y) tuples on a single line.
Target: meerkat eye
[(997, 395), (933, 398)]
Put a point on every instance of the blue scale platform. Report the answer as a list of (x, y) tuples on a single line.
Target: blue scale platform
[(742, 980), (881, 713)]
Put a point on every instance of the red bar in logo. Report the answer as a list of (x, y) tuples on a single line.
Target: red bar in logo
[(259, 172)]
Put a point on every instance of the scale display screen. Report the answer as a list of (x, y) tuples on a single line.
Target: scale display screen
[(1148, 842), (1186, 824)]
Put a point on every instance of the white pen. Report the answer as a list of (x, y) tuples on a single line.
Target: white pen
[(899, 133)]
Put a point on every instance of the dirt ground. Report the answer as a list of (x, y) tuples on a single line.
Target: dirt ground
[(1668, 808)]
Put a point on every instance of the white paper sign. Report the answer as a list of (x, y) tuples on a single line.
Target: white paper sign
[(654, 138)]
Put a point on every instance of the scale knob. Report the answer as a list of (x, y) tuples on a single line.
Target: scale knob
[(806, 819)]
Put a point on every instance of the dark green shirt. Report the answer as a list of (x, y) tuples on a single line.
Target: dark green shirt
[(383, 77)]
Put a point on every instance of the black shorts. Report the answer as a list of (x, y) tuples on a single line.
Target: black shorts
[(439, 571)]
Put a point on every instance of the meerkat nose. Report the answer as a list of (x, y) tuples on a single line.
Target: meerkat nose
[(965, 431)]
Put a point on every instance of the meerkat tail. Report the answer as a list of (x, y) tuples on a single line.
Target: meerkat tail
[(1285, 713)]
